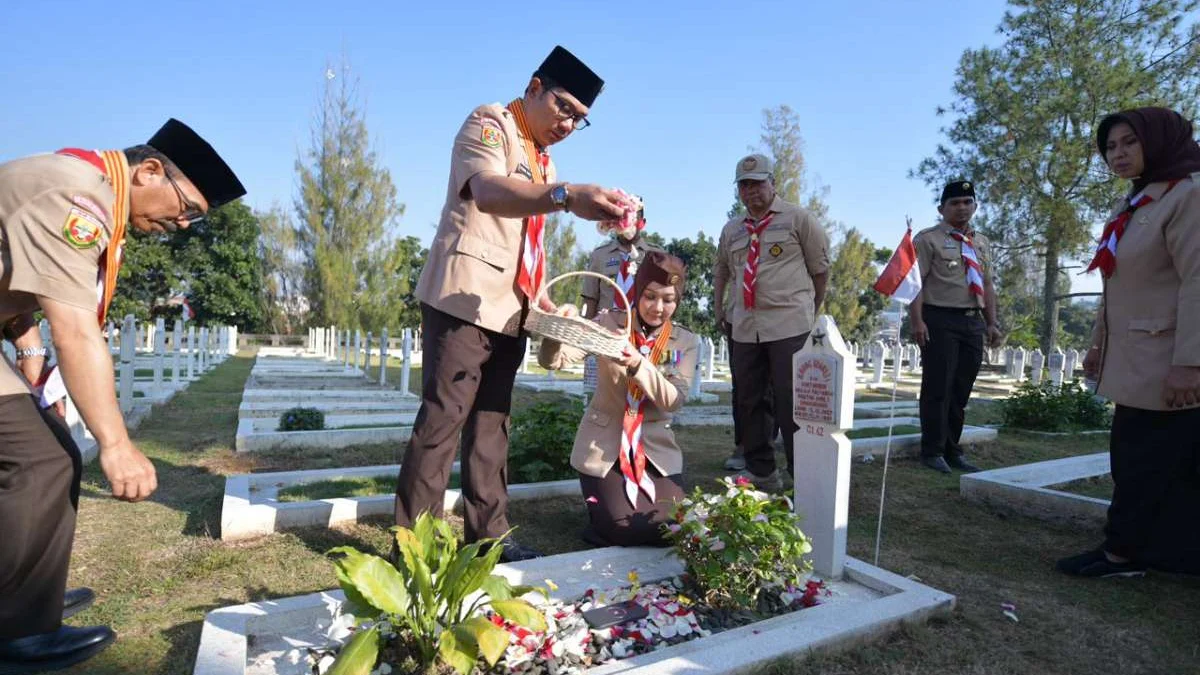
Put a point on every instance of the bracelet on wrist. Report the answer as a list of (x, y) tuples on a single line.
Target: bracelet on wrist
[(31, 352)]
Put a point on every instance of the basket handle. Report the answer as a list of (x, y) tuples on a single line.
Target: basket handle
[(616, 289)]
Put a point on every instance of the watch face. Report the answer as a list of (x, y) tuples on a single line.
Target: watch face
[(559, 195)]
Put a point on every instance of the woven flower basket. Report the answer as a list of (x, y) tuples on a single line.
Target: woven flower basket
[(577, 331)]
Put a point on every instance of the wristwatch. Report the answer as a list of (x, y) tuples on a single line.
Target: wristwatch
[(30, 352), (559, 195)]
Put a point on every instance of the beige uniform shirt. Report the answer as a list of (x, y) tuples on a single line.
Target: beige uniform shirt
[(606, 260), (793, 248), (598, 441), (41, 199), (471, 272), (1150, 318), (943, 272)]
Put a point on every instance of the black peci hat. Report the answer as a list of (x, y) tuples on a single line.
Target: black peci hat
[(571, 74), (958, 188), (199, 162)]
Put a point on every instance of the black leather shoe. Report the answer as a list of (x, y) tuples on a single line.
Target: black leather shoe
[(514, 552), (76, 600), (53, 651), (1096, 565), (962, 464), (936, 463)]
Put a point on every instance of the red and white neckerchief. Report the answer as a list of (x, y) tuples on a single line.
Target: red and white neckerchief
[(971, 262), (533, 251), (113, 165), (625, 276), (632, 458), (750, 274), (1106, 252)]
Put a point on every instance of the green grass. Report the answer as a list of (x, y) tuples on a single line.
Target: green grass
[(877, 432), (158, 567), (1100, 487), (366, 486)]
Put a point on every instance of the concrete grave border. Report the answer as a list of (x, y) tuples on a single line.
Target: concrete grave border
[(1023, 489), (244, 514), (893, 601)]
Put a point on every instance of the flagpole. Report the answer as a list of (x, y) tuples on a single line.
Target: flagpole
[(887, 452)]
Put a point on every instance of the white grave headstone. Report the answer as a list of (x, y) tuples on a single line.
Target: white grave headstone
[(710, 358), (877, 351), (1019, 364), (191, 353), (160, 354), (383, 349), (128, 352), (357, 348), (1037, 362), (203, 356), (406, 349), (1057, 361), (823, 396), (367, 358), (897, 362), (1072, 362), (1009, 368), (176, 347)]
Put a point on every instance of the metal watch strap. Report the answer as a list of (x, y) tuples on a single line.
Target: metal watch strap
[(30, 352)]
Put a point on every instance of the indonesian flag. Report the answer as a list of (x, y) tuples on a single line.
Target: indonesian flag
[(901, 279), (188, 313)]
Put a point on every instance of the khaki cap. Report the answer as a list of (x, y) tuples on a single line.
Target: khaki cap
[(754, 167)]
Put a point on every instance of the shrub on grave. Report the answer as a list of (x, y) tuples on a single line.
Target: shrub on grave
[(743, 549), (540, 441), (423, 610), (1046, 407), (302, 419)]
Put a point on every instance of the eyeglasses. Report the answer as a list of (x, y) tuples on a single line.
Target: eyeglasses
[(189, 211), (567, 111)]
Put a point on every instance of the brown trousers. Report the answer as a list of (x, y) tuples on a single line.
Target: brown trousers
[(468, 382), (762, 369), (40, 469), (615, 522)]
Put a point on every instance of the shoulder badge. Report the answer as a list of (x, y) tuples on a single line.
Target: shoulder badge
[(490, 133), (82, 229)]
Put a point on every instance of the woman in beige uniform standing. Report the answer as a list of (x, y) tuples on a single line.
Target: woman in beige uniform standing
[(630, 467)]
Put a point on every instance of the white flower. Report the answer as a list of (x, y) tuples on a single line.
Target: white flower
[(341, 627), (760, 518), (325, 663)]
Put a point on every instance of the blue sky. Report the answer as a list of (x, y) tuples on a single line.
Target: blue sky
[(686, 84)]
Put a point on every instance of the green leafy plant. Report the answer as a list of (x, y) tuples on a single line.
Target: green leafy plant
[(738, 543), (302, 419), (432, 596), (1046, 407), (539, 445)]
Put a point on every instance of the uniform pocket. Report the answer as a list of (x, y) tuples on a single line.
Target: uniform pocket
[(481, 249), (1152, 327)]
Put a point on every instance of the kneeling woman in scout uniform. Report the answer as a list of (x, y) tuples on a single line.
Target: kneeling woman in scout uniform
[(630, 467)]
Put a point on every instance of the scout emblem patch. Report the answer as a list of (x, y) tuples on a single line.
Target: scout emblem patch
[(775, 250), (489, 133), (82, 229)]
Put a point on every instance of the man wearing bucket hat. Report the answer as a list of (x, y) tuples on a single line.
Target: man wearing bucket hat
[(486, 265), (778, 257), (63, 219)]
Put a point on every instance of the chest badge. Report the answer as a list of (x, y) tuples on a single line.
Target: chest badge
[(776, 250)]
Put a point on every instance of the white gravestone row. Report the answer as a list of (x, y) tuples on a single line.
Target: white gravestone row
[(1018, 373), (877, 352), (1072, 362)]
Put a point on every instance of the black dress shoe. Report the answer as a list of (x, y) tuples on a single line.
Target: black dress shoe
[(76, 600), (959, 462), (1096, 565), (53, 651), (514, 552), (936, 463)]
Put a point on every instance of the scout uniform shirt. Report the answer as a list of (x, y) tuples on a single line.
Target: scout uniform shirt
[(1150, 317), (471, 271), (598, 441), (943, 272), (55, 225), (606, 260), (792, 249)]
